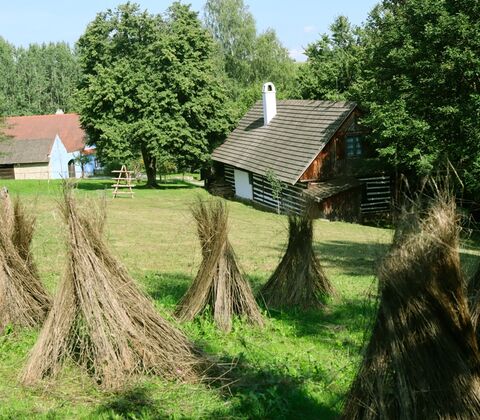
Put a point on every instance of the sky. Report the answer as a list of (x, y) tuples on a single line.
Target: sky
[(297, 22)]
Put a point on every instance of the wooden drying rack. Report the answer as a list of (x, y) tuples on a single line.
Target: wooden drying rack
[(123, 180)]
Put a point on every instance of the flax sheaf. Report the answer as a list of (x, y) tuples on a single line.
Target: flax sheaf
[(101, 321), (299, 280), (422, 361), (24, 301), (219, 284)]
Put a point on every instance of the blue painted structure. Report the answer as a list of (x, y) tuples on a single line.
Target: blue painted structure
[(60, 160)]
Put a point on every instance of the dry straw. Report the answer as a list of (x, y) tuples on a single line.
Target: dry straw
[(22, 235), (23, 298), (299, 280), (101, 320), (422, 360), (474, 299), (219, 284)]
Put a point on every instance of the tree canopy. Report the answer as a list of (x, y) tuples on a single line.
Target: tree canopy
[(250, 59), (420, 84), (414, 68), (333, 63), (151, 86)]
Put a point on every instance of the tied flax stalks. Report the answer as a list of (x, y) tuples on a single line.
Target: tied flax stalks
[(219, 284), (422, 361), (299, 280), (23, 299), (474, 300), (22, 235), (101, 320)]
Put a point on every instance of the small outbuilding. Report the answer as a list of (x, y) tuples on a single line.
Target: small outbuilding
[(42, 147), (313, 150)]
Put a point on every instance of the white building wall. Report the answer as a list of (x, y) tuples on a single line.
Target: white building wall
[(59, 158), (243, 187), (32, 171)]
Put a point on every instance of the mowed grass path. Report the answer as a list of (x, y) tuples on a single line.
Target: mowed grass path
[(299, 366)]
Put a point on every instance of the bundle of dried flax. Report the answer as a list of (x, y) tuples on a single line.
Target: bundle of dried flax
[(219, 283), (299, 280), (23, 298), (422, 360), (101, 320)]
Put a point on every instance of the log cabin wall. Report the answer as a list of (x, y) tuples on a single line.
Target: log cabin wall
[(343, 206), (332, 160), (291, 200), (7, 172)]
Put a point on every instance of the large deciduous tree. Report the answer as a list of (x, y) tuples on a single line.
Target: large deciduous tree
[(151, 86), (333, 63), (249, 58), (233, 27), (420, 84)]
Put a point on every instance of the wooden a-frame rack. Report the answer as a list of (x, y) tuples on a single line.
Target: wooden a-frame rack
[(123, 180)]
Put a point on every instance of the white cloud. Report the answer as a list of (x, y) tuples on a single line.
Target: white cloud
[(309, 29), (297, 54)]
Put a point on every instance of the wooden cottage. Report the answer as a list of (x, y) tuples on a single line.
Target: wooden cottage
[(314, 148)]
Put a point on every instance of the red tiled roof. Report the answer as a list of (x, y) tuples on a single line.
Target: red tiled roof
[(67, 126)]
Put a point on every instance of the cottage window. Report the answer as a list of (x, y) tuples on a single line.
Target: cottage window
[(354, 147)]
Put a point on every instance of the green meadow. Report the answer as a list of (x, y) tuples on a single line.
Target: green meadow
[(299, 366)]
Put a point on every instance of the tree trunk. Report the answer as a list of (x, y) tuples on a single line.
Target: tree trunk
[(150, 163)]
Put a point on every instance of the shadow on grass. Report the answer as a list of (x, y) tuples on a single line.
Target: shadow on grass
[(256, 281), (349, 316), (268, 394), (470, 263), (174, 184), (167, 287), (94, 185), (253, 394), (135, 403), (362, 259), (353, 258)]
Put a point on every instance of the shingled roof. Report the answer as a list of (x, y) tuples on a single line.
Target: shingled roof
[(67, 126), (25, 151), (289, 143)]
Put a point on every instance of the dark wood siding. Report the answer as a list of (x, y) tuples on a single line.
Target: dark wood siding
[(292, 199), (229, 177), (331, 161), (7, 172), (377, 194), (343, 206), (325, 165)]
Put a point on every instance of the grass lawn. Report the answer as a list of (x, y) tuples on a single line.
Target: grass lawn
[(299, 366)]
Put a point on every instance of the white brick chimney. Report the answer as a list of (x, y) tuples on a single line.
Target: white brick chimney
[(269, 102)]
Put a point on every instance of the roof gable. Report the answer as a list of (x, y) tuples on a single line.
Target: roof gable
[(289, 143), (32, 127)]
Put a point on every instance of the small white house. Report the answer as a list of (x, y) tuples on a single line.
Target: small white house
[(42, 147)]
